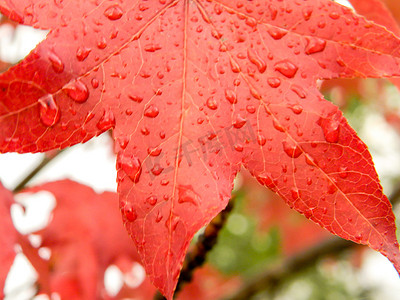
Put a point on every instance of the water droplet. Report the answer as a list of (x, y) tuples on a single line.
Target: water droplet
[(315, 45), (56, 62), (131, 166), (296, 108), (143, 7), (234, 66), (291, 148), (186, 194), (273, 11), (102, 43), (239, 122), (238, 147), (129, 214), (77, 91), (211, 136), (122, 141), (331, 187), (331, 129), (307, 11), (114, 12), (135, 98), (95, 83), (152, 47), (115, 32), (157, 169), (152, 200), (261, 140), (212, 103), (309, 180), (230, 95), (286, 68), (145, 131), (154, 151), (251, 109), (251, 22), (216, 34), (48, 111), (295, 193), (343, 172), (255, 93), (278, 126), (321, 24), (107, 121), (151, 111), (298, 90), (223, 48), (266, 180), (274, 82), (160, 75), (257, 60), (340, 62), (310, 161), (334, 15), (158, 217), (277, 33), (82, 53)]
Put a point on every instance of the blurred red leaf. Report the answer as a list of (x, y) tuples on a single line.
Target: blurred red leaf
[(85, 236), (4, 66), (377, 11), (8, 236), (83, 247), (208, 284), (394, 8), (382, 12)]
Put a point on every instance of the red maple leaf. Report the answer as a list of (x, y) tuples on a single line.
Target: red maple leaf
[(270, 212), (8, 236), (193, 91)]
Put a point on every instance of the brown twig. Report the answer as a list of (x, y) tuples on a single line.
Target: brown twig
[(272, 278), (45, 161), (197, 256), (275, 276)]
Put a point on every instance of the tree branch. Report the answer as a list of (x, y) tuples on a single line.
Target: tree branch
[(45, 161), (272, 278), (280, 273)]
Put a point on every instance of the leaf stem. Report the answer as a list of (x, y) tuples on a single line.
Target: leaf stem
[(45, 161)]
